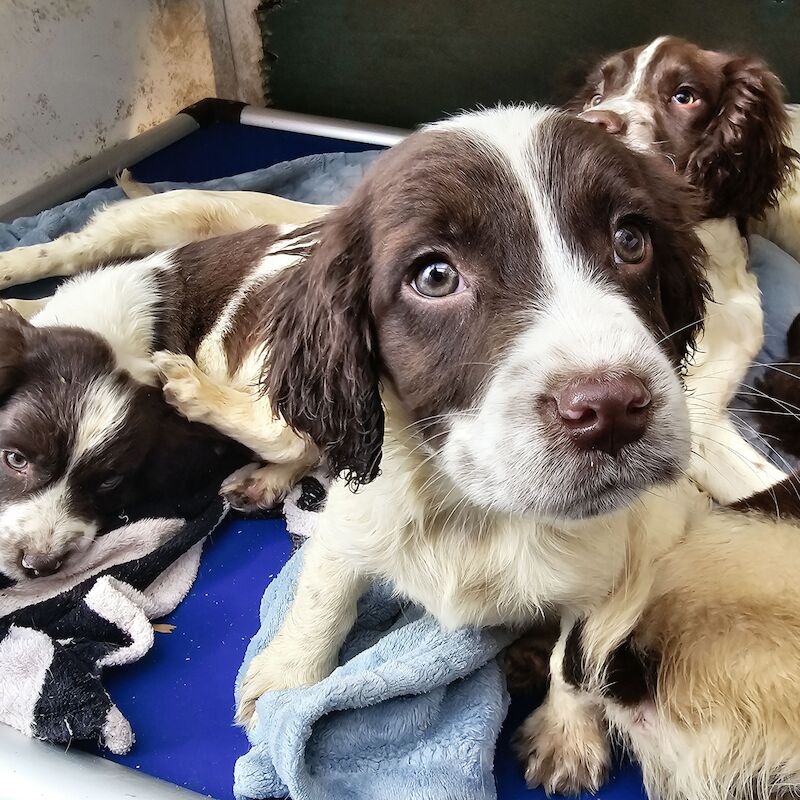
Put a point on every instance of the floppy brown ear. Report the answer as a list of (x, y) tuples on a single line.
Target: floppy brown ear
[(321, 368), (743, 160), (682, 279), (12, 348)]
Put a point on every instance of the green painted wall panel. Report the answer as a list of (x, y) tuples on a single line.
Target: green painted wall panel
[(402, 62)]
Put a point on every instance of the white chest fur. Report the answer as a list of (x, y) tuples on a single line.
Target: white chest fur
[(474, 567), (722, 462)]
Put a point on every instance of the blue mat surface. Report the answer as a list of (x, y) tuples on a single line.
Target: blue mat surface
[(179, 698)]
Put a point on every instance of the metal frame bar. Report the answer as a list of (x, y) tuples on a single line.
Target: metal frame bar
[(321, 126), (85, 176), (30, 768)]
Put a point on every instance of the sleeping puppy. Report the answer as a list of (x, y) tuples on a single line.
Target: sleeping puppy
[(506, 338), (82, 442), (720, 121), (503, 340), (85, 435)]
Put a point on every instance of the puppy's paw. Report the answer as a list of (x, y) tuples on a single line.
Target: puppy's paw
[(24, 264), (279, 666), (563, 756), (258, 487), (183, 384)]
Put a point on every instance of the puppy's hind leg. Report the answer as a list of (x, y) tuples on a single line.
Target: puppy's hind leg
[(563, 745), (129, 229)]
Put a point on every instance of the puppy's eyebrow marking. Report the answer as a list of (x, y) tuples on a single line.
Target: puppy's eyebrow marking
[(642, 63), (102, 413)]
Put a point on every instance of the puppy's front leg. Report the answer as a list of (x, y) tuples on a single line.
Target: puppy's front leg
[(306, 648), (563, 745), (246, 417)]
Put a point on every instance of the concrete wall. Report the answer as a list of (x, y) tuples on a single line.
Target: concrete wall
[(79, 75)]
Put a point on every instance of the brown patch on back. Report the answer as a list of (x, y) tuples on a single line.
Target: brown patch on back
[(208, 274)]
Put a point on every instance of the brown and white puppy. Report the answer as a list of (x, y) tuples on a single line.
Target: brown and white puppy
[(82, 443), (720, 121), (719, 118), (85, 432), (505, 338)]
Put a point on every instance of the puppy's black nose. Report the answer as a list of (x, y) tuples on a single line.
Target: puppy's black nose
[(604, 414), (609, 121), (37, 565)]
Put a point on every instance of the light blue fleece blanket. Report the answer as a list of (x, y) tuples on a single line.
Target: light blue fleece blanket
[(326, 178), (412, 713)]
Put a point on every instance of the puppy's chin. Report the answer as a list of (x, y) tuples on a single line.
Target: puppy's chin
[(562, 490), (606, 486)]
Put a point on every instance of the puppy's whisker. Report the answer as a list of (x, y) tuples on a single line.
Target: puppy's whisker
[(679, 330)]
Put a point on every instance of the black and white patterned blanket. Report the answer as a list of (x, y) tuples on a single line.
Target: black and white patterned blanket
[(58, 633)]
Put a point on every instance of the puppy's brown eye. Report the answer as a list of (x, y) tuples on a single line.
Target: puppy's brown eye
[(14, 460), (630, 244), (438, 279), (684, 97), (596, 100)]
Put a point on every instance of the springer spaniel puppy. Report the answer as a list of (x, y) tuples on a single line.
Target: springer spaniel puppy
[(85, 434), (720, 121), (492, 354), (84, 429)]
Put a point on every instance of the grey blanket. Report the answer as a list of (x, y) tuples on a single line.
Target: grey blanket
[(326, 178)]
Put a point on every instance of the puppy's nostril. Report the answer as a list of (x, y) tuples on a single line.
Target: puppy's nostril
[(572, 410), (38, 565), (604, 414)]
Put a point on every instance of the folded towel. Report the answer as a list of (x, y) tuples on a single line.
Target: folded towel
[(412, 713)]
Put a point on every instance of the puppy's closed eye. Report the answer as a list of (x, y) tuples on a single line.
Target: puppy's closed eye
[(110, 483)]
